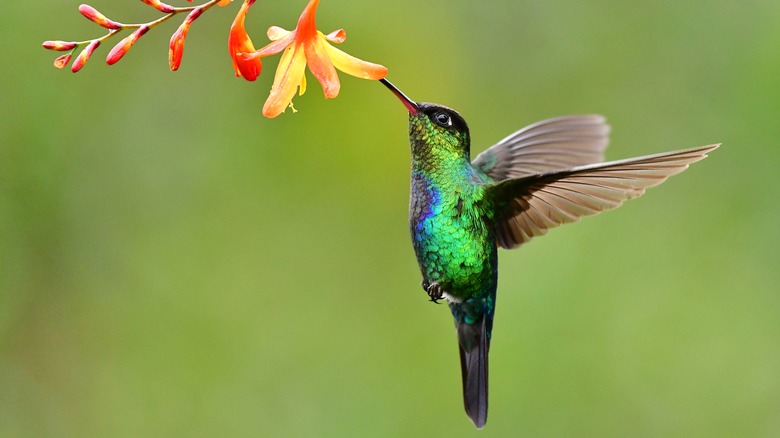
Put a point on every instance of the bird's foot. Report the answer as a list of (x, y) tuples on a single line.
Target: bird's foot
[(434, 290)]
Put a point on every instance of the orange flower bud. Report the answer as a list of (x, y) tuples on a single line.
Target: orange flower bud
[(120, 49), (96, 17), (84, 56), (62, 61), (59, 46), (241, 48), (177, 47), (176, 50), (162, 7)]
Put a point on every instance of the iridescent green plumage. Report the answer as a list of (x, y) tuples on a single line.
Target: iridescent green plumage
[(460, 211), (449, 212), (450, 219)]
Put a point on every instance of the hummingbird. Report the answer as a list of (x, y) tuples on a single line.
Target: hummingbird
[(461, 211)]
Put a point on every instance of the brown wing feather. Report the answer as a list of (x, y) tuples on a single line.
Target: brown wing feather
[(552, 144), (532, 205)]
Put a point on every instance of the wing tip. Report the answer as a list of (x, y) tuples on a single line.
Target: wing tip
[(710, 147)]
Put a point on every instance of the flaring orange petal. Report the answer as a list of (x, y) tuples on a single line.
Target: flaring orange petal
[(338, 36), (277, 46), (288, 77), (276, 33), (322, 68), (354, 66)]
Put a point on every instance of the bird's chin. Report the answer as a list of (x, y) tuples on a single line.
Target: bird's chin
[(451, 299)]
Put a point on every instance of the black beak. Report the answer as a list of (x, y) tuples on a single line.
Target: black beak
[(408, 103)]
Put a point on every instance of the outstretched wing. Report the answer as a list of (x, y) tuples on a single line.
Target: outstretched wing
[(559, 143), (530, 206)]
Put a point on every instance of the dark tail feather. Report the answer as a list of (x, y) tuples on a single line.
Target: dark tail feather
[(473, 343)]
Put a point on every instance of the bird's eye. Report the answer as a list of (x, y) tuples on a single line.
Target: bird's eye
[(443, 119)]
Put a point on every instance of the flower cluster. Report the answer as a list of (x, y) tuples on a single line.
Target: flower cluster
[(305, 45), (114, 27)]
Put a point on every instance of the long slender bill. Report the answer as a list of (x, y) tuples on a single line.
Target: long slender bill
[(408, 103)]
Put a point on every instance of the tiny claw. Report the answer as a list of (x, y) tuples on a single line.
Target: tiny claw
[(435, 291)]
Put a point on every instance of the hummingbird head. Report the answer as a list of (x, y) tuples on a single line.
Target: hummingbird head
[(433, 126)]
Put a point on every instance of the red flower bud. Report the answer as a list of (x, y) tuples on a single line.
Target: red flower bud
[(59, 46), (162, 7), (93, 15), (176, 50), (84, 56), (62, 61), (123, 46)]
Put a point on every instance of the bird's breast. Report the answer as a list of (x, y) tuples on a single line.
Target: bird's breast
[(453, 242)]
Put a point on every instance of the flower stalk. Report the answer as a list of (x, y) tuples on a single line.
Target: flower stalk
[(115, 27), (303, 47)]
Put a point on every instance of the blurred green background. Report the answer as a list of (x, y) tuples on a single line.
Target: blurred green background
[(172, 263)]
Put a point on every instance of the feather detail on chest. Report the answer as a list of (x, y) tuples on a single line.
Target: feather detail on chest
[(451, 234)]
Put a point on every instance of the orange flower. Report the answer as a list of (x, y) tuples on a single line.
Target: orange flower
[(302, 46)]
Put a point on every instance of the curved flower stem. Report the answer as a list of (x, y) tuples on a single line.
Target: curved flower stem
[(110, 33), (134, 26), (205, 6), (306, 46)]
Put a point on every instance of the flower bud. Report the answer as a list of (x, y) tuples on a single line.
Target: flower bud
[(176, 50), (63, 60), (84, 56), (123, 46), (177, 47), (162, 7), (59, 46), (96, 17), (246, 62)]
